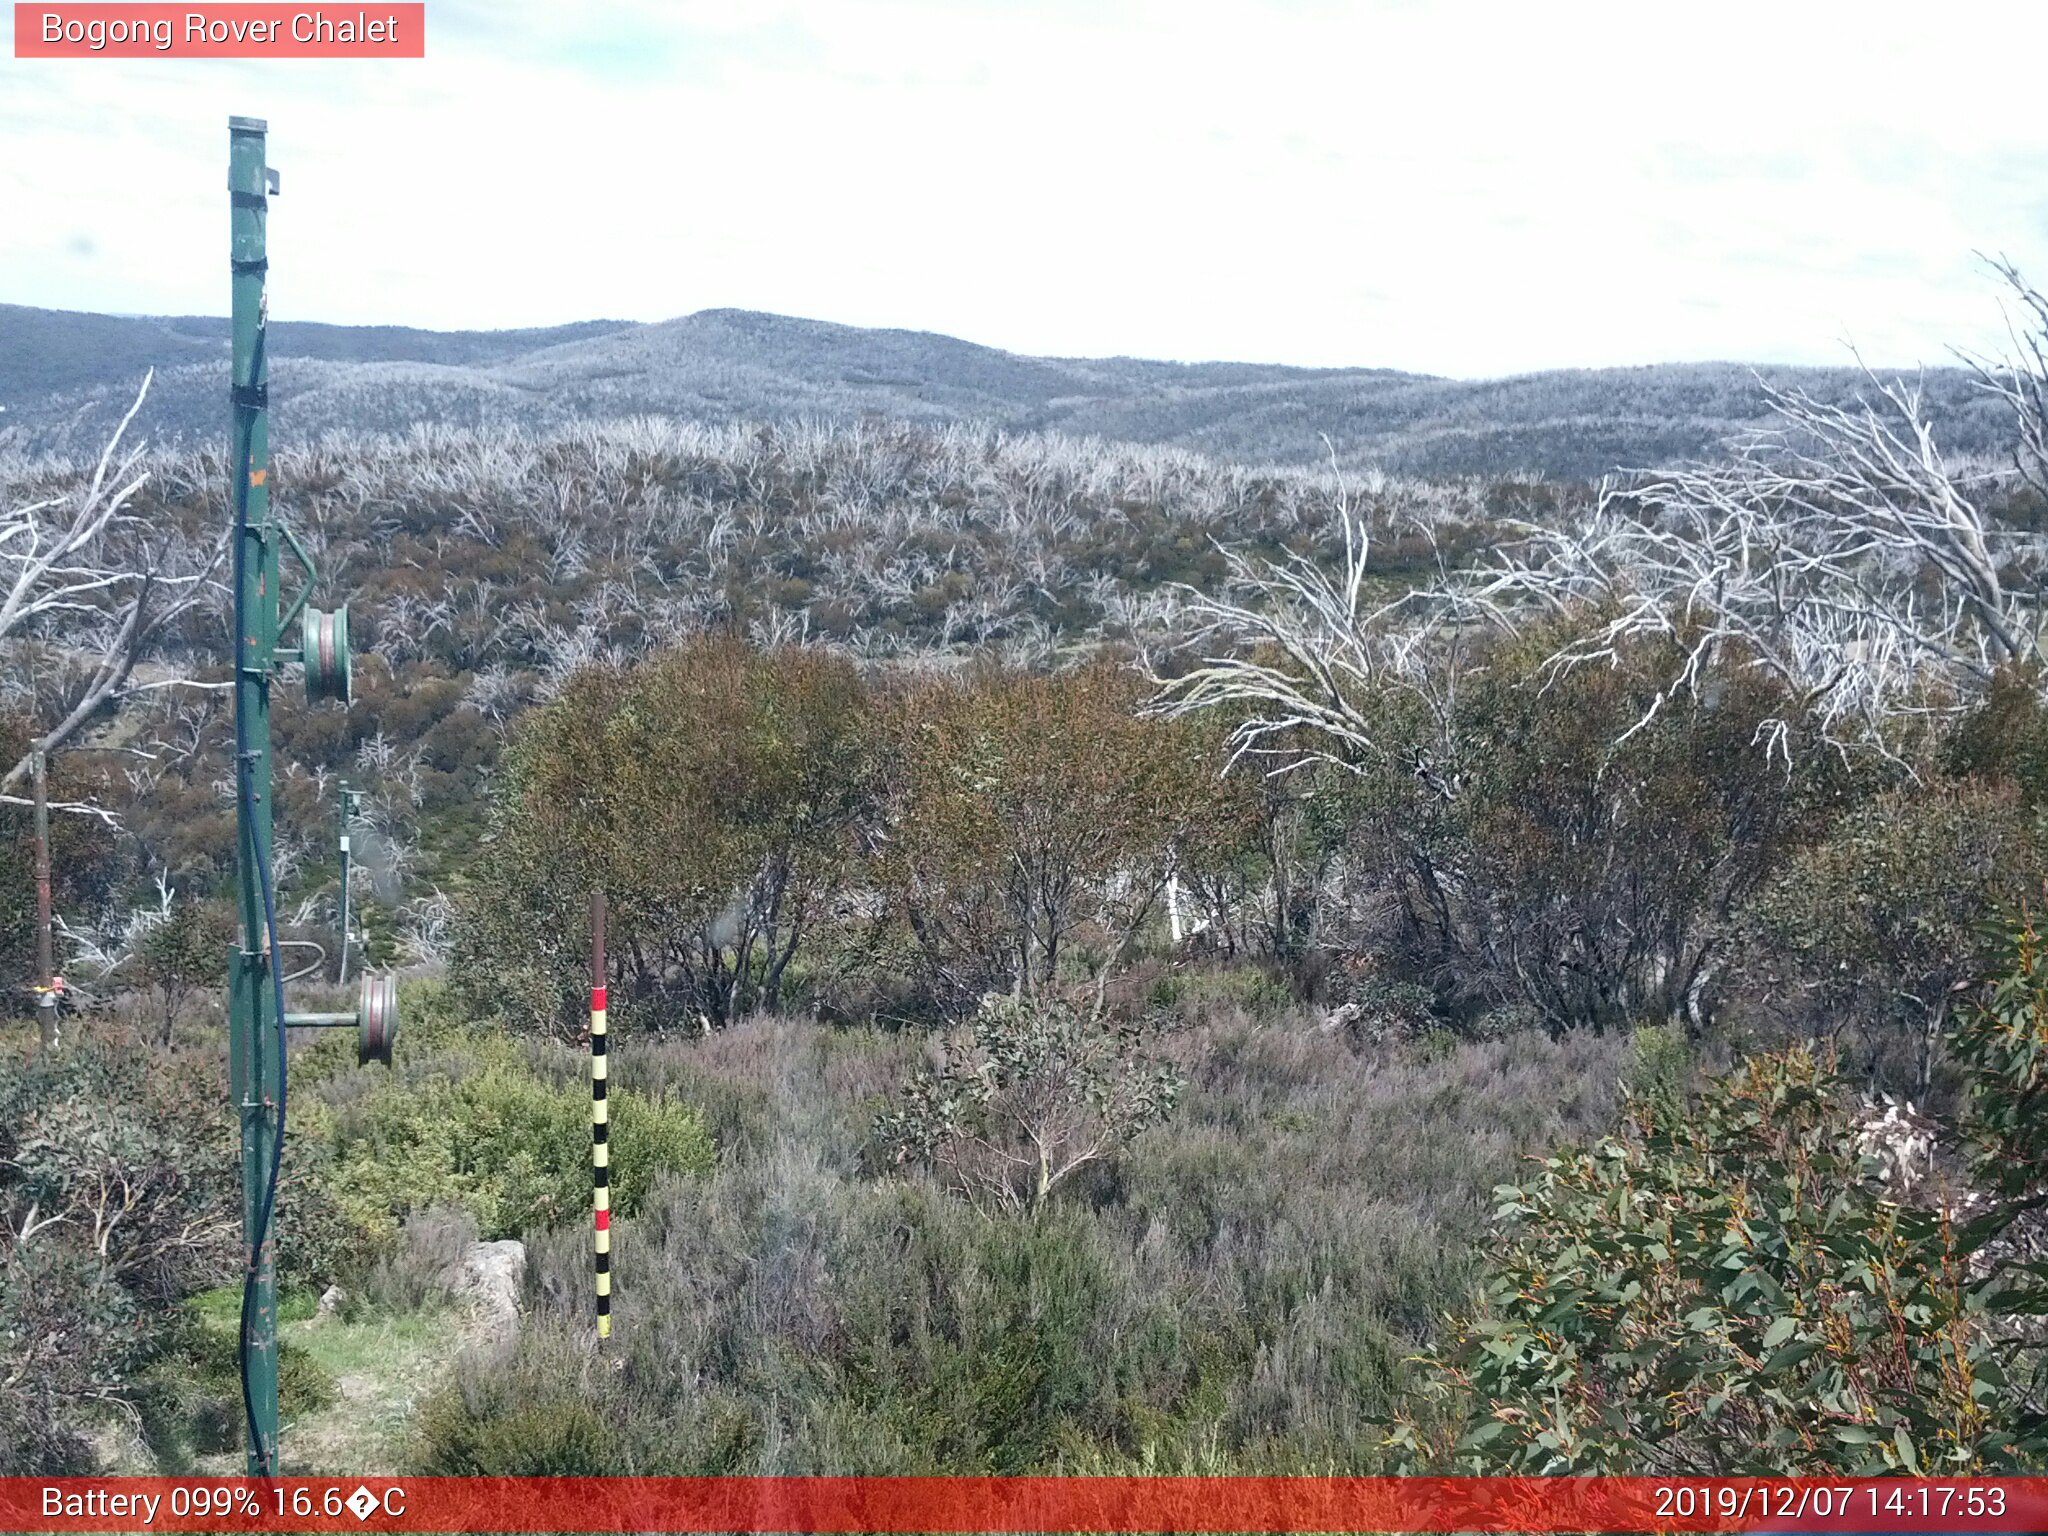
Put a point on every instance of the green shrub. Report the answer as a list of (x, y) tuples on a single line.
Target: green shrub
[(1239, 1291), (126, 1151), (1031, 1093), (183, 955), (713, 791), (319, 1242), (118, 1198), (1576, 840), (1514, 1017), (1013, 1371), (1873, 931), (2005, 738), (1743, 1290), (1660, 1065), (478, 1129), (1032, 823), (68, 1333), (1377, 1010), (1198, 993)]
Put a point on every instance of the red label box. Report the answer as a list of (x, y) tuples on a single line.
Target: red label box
[(867, 1506), (235, 31)]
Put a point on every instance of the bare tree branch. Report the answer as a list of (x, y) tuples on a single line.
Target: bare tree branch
[(1839, 551), (1310, 647), (81, 576)]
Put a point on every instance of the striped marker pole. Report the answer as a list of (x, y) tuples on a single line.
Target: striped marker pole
[(600, 1122)]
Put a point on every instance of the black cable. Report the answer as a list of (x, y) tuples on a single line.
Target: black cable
[(265, 1454)]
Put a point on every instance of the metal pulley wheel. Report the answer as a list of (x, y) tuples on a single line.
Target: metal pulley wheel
[(323, 644), (376, 1017)]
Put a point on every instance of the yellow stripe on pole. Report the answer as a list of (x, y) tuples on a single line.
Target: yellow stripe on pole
[(600, 1120)]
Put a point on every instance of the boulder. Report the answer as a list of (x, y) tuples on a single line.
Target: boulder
[(489, 1284)]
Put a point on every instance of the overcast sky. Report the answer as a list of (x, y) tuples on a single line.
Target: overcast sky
[(1453, 188)]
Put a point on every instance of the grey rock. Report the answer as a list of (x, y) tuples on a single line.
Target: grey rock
[(489, 1284)]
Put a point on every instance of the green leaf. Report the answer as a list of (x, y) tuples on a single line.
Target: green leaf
[(1903, 1442), (1779, 1332)]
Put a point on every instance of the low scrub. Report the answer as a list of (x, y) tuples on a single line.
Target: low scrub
[(475, 1127), (1025, 1097), (118, 1198), (1239, 1290)]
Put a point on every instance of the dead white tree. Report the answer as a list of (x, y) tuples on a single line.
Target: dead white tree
[(85, 579), (1298, 650), (1840, 550), (2020, 378)]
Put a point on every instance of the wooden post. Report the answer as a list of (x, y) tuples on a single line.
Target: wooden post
[(46, 960)]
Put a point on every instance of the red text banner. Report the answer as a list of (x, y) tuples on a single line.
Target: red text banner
[(1047, 1504), (220, 31)]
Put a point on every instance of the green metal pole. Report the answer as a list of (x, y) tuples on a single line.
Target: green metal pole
[(257, 1076), (347, 797)]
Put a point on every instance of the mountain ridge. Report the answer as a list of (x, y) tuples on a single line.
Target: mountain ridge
[(65, 376)]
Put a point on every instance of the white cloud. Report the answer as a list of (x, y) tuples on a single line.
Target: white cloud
[(1462, 189)]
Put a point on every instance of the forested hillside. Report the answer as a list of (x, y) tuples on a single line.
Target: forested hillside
[(483, 569), (64, 378)]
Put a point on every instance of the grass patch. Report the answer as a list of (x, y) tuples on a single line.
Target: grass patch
[(190, 1398), (382, 1367)]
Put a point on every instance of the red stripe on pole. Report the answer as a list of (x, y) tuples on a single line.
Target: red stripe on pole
[(1048, 1504), (604, 1221), (597, 998)]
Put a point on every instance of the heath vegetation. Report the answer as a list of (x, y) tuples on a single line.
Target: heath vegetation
[(1120, 961)]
